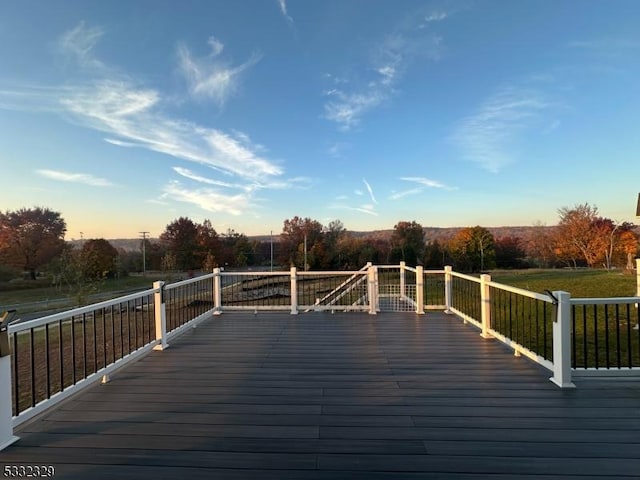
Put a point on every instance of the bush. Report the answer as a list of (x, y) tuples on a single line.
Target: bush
[(7, 273)]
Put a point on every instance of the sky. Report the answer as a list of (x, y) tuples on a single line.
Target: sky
[(126, 115)]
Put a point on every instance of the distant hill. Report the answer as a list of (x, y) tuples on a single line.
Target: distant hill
[(126, 244), (446, 233), (431, 234)]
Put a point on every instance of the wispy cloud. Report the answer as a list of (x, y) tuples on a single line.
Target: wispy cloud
[(367, 209), (131, 115), (423, 182), (436, 16), (486, 136), (283, 9), (370, 190), (210, 77), (405, 193), (356, 203), (348, 101), (427, 182), (209, 199), (347, 109), (185, 172), (83, 178), (78, 44)]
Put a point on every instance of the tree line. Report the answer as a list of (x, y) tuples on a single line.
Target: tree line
[(32, 240)]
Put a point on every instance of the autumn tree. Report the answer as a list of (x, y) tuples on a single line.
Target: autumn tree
[(473, 249), (296, 233), (31, 237), (407, 242), (181, 240), (98, 258), (627, 246), (540, 247), (583, 234)]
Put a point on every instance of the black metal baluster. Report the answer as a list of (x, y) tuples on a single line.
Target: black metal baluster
[(606, 334), (16, 385), (574, 361), (33, 367), (629, 338), (60, 354), (595, 331), (618, 352), (73, 351), (104, 336), (47, 360)]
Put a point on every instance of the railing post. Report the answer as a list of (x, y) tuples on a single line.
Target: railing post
[(485, 305), (160, 311), (448, 284), (420, 290), (294, 291), (562, 341), (637, 285), (372, 290), (6, 426), (217, 292), (6, 429), (403, 283)]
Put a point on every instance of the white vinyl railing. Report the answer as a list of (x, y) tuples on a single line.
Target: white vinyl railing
[(47, 359)]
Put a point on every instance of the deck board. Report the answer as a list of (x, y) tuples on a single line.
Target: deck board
[(330, 396)]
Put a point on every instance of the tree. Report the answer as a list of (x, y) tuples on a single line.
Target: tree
[(576, 234), (208, 242), (628, 246), (31, 238), (407, 242), (98, 259), (473, 249), (329, 252), (69, 274), (181, 239), (509, 252), (540, 247), (296, 233)]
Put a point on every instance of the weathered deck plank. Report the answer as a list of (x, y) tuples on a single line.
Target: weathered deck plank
[(323, 396)]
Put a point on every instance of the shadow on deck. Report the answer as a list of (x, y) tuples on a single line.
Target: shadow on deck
[(322, 396)]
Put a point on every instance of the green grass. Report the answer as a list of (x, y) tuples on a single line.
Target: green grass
[(43, 291), (579, 283)]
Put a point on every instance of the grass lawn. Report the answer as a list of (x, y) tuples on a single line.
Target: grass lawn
[(579, 283), (42, 291)]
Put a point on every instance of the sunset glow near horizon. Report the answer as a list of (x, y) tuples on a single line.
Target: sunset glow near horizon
[(124, 116)]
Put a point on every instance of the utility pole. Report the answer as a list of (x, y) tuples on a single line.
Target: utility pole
[(305, 252), (271, 239), (144, 253)]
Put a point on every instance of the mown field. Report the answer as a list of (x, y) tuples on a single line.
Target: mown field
[(579, 283), (48, 296)]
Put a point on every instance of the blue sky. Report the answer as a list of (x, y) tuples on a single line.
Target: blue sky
[(126, 115)]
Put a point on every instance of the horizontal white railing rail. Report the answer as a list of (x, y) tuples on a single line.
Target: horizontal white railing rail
[(605, 336), (524, 321), (53, 357), (47, 359)]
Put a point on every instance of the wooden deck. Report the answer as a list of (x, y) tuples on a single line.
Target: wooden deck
[(322, 396)]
